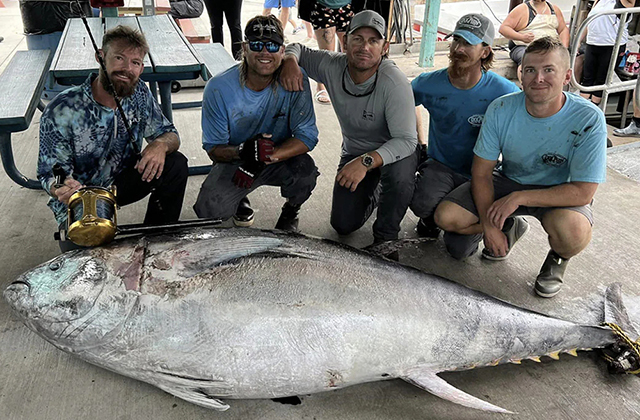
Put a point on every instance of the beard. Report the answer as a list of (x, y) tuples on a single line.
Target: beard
[(458, 65), (123, 89)]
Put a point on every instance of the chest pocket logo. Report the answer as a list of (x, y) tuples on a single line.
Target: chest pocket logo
[(369, 116), (476, 120), (553, 159)]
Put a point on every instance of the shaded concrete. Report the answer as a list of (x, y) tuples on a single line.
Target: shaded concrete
[(37, 381)]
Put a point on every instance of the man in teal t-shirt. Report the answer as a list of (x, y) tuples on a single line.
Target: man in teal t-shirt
[(553, 147), (456, 98)]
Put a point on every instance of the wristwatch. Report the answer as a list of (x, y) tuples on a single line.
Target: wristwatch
[(367, 160)]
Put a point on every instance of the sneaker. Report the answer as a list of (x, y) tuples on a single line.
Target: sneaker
[(549, 281), (244, 214), (514, 228), (298, 29), (427, 228), (632, 130), (288, 219)]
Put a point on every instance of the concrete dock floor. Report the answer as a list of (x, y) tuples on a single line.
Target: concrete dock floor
[(38, 381)]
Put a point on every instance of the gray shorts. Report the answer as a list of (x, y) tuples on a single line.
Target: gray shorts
[(516, 53), (503, 186)]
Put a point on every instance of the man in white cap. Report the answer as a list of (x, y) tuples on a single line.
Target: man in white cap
[(456, 98), (374, 104)]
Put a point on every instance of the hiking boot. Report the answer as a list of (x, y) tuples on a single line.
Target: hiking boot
[(288, 219), (244, 214), (632, 130), (427, 228), (514, 228), (549, 281)]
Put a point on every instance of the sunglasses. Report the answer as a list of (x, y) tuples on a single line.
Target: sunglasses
[(257, 46)]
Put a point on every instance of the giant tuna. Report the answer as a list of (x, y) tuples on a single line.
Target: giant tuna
[(241, 313)]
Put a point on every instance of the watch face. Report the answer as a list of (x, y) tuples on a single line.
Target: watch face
[(367, 160)]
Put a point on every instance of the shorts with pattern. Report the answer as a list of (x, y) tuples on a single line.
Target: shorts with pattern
[(325, 17)]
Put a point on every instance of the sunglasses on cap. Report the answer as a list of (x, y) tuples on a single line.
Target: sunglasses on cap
[(257, 46)]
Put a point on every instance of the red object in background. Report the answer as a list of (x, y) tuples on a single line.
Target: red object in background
[(106, 3)]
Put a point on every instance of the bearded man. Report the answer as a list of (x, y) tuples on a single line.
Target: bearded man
[(456, 98), (82, 131)]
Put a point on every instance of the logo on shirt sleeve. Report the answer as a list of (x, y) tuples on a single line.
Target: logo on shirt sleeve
[(476, 120)]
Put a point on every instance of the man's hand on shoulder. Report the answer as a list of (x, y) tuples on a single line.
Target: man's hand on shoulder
[(65, 192), (291, 77), (151, 164)]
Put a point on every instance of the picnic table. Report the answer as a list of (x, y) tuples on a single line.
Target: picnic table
[(171, 56)]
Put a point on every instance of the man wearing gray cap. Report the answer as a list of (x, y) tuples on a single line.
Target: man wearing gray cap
[(456, 98), (374, 104)]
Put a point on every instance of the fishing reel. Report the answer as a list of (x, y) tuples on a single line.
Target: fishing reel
[(92, 216), (622, 359)]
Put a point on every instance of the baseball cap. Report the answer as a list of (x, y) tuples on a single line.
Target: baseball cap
[(262, 30), (475, 28), (367, 18)]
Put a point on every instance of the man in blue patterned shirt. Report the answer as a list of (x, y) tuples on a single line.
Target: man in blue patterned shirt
[(82, 131)]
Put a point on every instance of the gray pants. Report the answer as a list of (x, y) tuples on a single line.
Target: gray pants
[(434, 181), (389, 188), (219, 196), (462, 246)]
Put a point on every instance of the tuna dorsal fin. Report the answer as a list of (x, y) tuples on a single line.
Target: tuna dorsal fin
[(384, 248), (430, 382)]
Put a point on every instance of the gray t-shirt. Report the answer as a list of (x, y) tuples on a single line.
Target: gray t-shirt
[(384, 121)]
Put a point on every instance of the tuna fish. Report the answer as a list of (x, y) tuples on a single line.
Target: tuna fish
[(212, 315)]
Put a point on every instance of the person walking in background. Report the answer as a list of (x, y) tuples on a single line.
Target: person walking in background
[(329, 17), (231, 10), (284, 16)]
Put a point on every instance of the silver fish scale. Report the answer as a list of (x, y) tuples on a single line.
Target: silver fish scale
[(241, 313)]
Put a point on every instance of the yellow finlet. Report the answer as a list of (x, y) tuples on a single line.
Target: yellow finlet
[(534, 358), (555, 355), (573, 352), (495, 362), (515, 361)]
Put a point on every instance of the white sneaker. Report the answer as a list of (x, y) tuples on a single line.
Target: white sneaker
[(632, 130)]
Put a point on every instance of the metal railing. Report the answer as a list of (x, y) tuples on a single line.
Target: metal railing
[(609, 86)]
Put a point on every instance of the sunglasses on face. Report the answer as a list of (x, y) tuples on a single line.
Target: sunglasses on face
[(257, 46)]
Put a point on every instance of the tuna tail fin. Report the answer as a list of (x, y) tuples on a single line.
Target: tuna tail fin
[(621, 310), (432, 383)]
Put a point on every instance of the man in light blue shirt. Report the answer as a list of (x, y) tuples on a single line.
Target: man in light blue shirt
[(457, 98), (257, 133), (553, 147)]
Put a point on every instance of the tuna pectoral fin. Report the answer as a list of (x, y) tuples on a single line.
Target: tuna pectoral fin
[(196, 396), (430, 382)]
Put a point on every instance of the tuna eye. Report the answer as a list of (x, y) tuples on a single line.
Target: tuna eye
[(54, 266)]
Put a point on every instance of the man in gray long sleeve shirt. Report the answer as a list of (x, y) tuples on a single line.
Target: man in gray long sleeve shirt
[(374, 104)]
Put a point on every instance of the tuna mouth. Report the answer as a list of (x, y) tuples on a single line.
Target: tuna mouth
[(19, 286)]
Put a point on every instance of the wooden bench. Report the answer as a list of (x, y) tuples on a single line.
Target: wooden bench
[(195, 36), (21, 85)]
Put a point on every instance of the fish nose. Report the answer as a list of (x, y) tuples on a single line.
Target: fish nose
[(19, 287)]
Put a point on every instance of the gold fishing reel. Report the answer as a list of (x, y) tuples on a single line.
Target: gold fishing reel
[(92, 216)]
